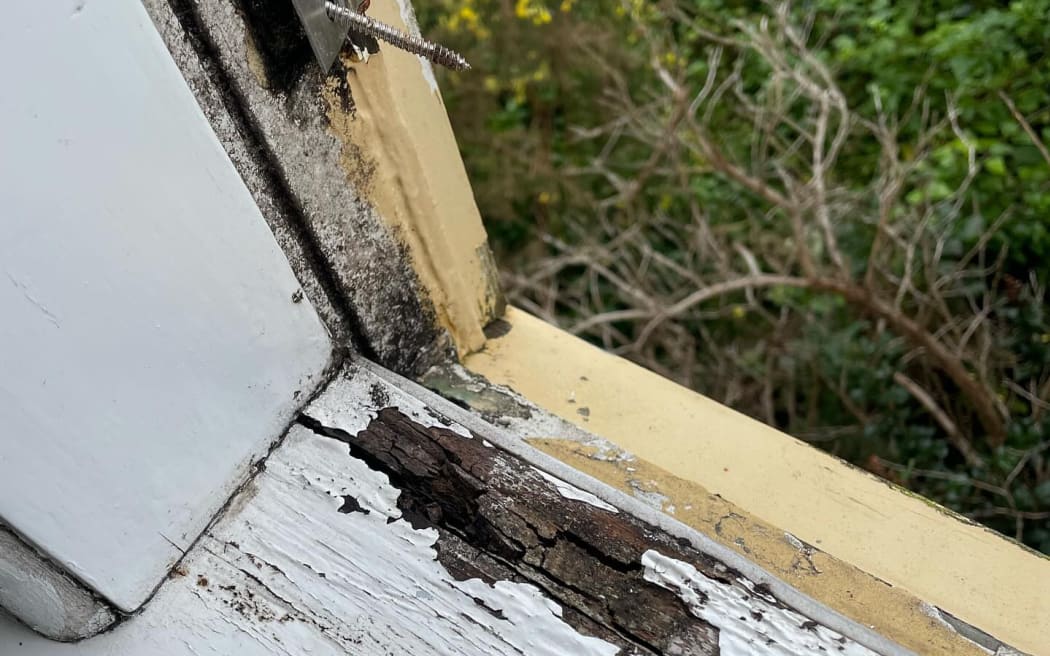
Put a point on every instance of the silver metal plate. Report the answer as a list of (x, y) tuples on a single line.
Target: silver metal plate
[(326, 36)]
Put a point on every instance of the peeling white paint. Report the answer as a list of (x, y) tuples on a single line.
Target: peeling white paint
[(352, 401), (569, 491), (793, 541), (644, 493), (285, 573), (510, 440), (375, 562), (748, 625)]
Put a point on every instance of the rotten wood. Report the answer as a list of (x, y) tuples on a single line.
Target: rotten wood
[(501, 519)]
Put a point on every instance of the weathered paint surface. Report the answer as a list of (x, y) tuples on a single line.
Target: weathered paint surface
[(314, 556), (893, 610), (849, 515), (151, 346), (897, 613), (512, 441), (383, 197), (748, 626), (286, 573), (420, 188), (570, 491)]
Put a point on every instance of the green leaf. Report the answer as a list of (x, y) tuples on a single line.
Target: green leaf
[(995, 166)]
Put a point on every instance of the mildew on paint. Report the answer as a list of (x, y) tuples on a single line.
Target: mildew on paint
[(293, 131), (399, 131), (506, 408)]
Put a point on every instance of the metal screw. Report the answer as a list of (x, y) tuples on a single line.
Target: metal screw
[(416, 45)]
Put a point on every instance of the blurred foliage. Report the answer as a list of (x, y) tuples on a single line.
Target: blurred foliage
[(544, 81)]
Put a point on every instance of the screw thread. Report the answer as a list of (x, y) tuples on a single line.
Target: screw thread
[(414, 44)]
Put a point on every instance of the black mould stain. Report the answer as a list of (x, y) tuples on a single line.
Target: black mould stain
[(378, 395), (339, 83), (280, 39)]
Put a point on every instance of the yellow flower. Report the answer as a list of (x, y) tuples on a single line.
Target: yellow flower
[(544, 198), (531, 10), (738, 312)]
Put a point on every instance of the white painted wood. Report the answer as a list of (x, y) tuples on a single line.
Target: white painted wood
[(284, 573), (44, 597), (149, 344)]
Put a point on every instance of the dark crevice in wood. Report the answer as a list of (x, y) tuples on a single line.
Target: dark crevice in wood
[(499, 519)]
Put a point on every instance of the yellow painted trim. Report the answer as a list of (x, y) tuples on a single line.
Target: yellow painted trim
[(895, 613), (399, 130), (854, 517)]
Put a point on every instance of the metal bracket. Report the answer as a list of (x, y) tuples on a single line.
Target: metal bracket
[(326, 36)]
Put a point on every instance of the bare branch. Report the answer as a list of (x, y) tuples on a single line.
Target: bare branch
[(1026, 126), (954, 436)]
